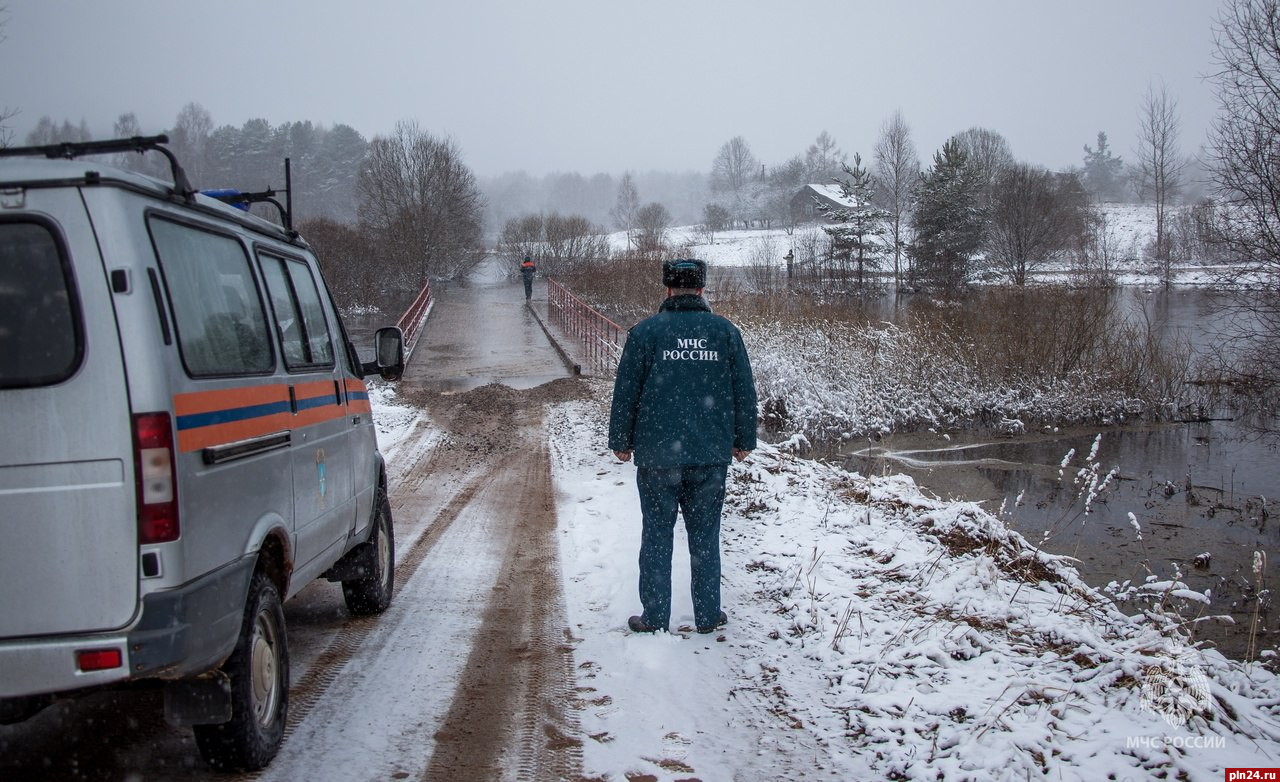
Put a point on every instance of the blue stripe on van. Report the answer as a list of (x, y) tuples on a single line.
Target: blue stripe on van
[(197, 420), (317, 401), (363, 396)]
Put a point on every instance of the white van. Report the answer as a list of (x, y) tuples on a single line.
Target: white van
[(188, 443)]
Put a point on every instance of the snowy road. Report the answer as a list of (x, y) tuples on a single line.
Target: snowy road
[(465, 677)]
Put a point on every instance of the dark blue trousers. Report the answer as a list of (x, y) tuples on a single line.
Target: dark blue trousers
[(698, 493)]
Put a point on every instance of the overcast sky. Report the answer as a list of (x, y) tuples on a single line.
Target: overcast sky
[(606, 86)]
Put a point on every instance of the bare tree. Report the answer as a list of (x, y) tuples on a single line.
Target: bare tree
[(1036, 216), (343, 254), (733, 168), (823, 159), (988, 154), (48, 131), (1242, 148), (573, 242), (1242, 143), (1158, 174), (897, 168), (190, 141), (1098, 251), (421, 202), (522, 237), (987, 151), (652, 220), (626, 206), (763, 270), (6, 112), (127, 126), (714, 219)]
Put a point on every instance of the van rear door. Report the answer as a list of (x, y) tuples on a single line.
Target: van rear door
[(68, 522)]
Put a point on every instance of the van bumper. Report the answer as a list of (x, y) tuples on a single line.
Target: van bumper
[(181, 632)]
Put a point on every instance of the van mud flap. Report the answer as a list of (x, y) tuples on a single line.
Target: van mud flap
[(356, 563), (204, 700)]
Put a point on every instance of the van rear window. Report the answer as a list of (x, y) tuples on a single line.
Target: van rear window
[(220, 322), (40, 336)]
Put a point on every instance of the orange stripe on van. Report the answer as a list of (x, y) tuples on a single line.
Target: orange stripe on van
[(357, 396), (222, 399), (207, 418)]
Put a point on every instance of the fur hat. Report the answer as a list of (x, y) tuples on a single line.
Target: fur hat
[(689, 273)]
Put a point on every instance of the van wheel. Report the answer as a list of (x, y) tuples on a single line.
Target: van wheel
[(259, 672), (371, 592)]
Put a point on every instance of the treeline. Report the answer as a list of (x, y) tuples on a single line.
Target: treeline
[(325, 160), (518, 194)]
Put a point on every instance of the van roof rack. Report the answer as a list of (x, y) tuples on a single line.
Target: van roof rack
[(74, 149)]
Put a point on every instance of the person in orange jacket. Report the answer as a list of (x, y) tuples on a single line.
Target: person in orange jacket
[(527, 270)]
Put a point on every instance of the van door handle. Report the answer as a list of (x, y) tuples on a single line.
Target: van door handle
[(355, 420)]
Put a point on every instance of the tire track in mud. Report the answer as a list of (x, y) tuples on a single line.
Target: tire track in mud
[(327, 667), (510, 714), (513, 704)]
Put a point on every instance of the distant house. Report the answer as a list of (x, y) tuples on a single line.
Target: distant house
[(807, 200)]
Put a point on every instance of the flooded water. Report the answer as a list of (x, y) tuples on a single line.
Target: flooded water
[(1203, 494), (1193, 489)]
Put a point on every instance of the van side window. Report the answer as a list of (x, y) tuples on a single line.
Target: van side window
[(216, 308), (40, 335), (300, 321)]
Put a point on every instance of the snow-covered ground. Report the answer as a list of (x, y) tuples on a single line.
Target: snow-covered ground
[(874, 633), (1131, 228)]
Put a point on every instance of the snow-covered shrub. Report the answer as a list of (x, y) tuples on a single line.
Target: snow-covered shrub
[(833, 381)]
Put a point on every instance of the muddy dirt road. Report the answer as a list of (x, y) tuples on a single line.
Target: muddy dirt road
[(468, 676)]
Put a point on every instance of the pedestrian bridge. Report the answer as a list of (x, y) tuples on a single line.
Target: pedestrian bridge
[(463, 335)]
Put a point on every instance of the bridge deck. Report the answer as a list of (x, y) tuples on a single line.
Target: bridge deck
[(482, 332)]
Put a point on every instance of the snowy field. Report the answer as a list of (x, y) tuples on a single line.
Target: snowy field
[(874, 633), (1131, 228)]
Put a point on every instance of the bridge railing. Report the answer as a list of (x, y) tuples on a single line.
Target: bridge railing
[(600, 338), (413, 318)]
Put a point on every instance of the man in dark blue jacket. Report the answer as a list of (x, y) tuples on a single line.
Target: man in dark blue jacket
[(684, 403)]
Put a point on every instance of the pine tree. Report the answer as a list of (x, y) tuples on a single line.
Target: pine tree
[(1103, 171), (859, 234), (949, 220)]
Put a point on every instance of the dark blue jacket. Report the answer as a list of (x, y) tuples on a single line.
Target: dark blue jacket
[(684, 394)]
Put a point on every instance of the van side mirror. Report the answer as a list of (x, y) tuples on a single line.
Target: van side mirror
[(388, 350)]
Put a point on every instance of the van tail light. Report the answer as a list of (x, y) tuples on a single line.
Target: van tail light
[(88, 660), (157, 486)]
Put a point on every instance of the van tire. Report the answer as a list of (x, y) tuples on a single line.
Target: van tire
[(259, 672), (371, 593)]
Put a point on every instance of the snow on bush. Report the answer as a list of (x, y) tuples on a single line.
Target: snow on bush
[(834, 381)]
